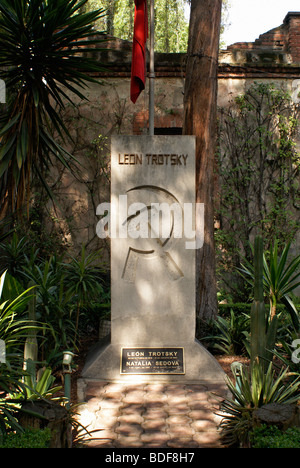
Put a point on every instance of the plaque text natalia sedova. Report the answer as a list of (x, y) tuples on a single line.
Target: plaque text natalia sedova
[(152, 361)]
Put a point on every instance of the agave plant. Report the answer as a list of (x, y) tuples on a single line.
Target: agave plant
[(230, 335), (255, 389), (43, 45), (280, 278)]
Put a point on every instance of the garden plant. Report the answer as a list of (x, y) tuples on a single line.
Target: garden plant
[(43, 64), (51, 296), (261, 383)]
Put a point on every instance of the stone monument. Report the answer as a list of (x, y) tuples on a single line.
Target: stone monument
[(153, 248)]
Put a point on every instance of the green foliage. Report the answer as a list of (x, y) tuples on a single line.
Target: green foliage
[(82, 277), (42, 47), (255, 388), (263, 332), (280, 279), (16, 384), (30, 438), (39, 385), (231, 331), (69, 292), (171, 26), (13, 330), (245, 307), (272, 437), (52, 304), (44, 62), (260, 384), (229, 334), (64, 290), (12, 254), (171, 23), (171, 34), (10, 381), (259, 173)]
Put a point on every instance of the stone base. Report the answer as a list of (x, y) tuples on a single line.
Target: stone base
[(103, 364)]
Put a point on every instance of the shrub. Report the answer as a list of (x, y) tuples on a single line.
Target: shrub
[(271, 437), (30, 438), (259, 176), (228, 335)]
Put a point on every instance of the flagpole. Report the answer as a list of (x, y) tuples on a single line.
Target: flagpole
[(151, 71)]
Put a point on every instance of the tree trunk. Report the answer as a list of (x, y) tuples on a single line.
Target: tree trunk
[(200, 119)]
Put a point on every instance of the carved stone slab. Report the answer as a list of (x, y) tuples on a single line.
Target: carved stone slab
[(153, 275), (153, 241)]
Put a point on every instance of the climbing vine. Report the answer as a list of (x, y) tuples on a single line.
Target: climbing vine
[(259, 168)]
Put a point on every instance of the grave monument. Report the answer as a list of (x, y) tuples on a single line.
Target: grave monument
[(152, 226)]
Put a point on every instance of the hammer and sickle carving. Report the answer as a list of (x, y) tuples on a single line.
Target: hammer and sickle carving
[(154, 246)]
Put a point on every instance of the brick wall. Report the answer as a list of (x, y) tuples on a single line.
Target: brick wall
[(277, 38), (292, 20), (285, 37), (172, 119)]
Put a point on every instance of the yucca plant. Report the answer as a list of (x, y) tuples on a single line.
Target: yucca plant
[(44, 59), (282, 277)]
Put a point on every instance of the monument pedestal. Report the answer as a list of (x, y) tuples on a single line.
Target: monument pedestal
[(105, 364), (154, 235)]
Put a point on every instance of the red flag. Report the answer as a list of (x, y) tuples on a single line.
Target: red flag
[(140, 34)]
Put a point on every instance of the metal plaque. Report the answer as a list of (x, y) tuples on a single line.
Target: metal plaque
[(152, 361)]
